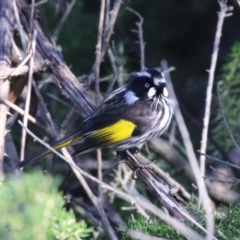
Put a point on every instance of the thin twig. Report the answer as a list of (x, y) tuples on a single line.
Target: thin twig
[(15, 47), (221, 161), (107, 16), (20, 30), (28, 98), (107, 35), (21, 70), (31, 23), (99, 160), (192, 158), (221, 16), (70, 6), (234, 181), (24, 61), (114, 69), (109, 31), (20, 111), (52, 128), (100, 208), (225, 119), (140, 36), (39, 3), (99, 48)]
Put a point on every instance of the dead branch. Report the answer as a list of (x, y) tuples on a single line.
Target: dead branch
[(224, 11), (141, 42), (28, 98), (22, 70), (6, 22), (192, 159)]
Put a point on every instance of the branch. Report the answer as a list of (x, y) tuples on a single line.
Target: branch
[(6, 21), (221, 161), (28, 98), (99, 47), (70, 6), (140, 36), (224, 9), (192, 158)]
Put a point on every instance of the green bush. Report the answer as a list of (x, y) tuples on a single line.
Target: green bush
[(229, 91), (31, 208)]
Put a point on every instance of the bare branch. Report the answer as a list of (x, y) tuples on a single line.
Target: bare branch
[(114, 68), (192, 158), (6, 20), (140, 36), (108, 30), (98, 60), (20, 30), (28, 98), (221, 16), (39, 3), (15, 47), (21, 70), (70, 6), (221, 161), (99, 47)]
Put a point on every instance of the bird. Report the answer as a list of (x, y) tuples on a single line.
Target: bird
[(133, 114)]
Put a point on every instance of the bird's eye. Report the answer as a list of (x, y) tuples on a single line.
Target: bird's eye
[(147, 85)]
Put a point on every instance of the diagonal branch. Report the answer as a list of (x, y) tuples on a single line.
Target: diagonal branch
[(192, 159)]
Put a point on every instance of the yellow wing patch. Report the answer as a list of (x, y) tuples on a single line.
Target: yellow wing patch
[(67, 142), (116, 132)]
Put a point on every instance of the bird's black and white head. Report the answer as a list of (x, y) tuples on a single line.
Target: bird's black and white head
[(146, 85)]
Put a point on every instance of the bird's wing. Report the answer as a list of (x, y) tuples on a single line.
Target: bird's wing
[(102, 128), (114, 125), (117, 130)]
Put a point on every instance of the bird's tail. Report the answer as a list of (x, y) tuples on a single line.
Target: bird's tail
[(64, 142)]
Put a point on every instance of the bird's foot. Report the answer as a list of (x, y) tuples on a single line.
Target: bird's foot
[(123, 154)]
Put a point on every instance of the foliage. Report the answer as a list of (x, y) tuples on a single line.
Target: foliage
[(157, 228), (228, 226), (38, 211), (229, 90)]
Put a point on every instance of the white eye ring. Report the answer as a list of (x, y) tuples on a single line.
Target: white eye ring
[(147, 85)]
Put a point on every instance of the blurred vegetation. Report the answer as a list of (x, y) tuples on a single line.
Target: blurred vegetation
[(32, 208), (229, 90), (227, 224)]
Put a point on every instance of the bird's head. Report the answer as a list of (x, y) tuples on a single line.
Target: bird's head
[(146, 85)]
